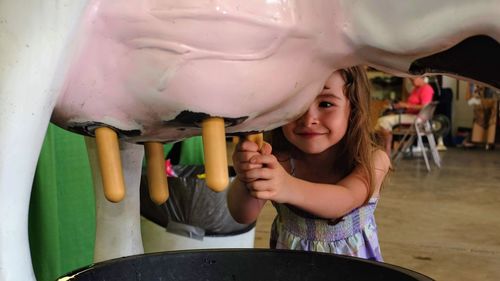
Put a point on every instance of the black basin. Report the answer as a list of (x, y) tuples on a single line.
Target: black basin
[(242, 265)]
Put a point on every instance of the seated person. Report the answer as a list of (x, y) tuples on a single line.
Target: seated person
[(420, 96)]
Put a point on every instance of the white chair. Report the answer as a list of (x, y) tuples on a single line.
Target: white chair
[(420, 128)]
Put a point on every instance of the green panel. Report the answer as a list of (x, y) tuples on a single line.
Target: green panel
[(62, 207), (192, 152)]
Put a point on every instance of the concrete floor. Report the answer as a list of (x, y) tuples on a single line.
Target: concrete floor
[(444, 224)]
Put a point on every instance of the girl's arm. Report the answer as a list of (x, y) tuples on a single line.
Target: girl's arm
[(323, 200), (243, 207)]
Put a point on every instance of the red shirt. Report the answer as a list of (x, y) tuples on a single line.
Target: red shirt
[(420, 96)]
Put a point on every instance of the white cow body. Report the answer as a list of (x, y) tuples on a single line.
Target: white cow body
[(32, 57), (141, 64), (150, 69)]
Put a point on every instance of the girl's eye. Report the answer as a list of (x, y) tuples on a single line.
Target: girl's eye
[(325, 104)]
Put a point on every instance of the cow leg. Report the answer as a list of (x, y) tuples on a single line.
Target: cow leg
[(118, 231), (20, 143), (34, 35)]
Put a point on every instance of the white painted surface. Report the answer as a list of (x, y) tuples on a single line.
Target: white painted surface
[(118, 231), (34, 35), (157, 239)]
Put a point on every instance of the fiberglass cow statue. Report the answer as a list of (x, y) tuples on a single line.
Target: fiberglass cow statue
[(135, 74)]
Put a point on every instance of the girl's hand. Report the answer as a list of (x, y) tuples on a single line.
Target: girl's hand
[(242, 154), (271, 180), (244, 207)]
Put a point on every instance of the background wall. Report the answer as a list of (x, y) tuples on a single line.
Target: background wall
[(462, 114)]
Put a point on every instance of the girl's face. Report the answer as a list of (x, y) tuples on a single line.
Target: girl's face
[(325, 122)]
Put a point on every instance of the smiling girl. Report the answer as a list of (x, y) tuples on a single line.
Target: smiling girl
[(322, 172)]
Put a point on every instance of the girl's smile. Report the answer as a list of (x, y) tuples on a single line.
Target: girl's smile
[(309, 134), (325, 122)]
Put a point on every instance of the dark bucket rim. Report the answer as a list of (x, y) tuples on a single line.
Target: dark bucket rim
[(410, 273)]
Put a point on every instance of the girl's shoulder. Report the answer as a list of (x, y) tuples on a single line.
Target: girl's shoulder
[(381, 166), (381, 160)]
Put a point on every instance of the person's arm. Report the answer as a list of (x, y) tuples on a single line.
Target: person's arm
[(407, 105), (413, 107), (324, 200), (243, 207)]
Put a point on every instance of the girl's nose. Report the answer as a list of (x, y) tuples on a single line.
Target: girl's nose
[(309, 118)]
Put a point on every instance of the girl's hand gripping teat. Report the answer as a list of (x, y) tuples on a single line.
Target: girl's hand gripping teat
[(242, 155), (271, 179)]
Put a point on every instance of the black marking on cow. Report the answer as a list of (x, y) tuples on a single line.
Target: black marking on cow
[(88, 129), (477, 58), (189, 119)]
